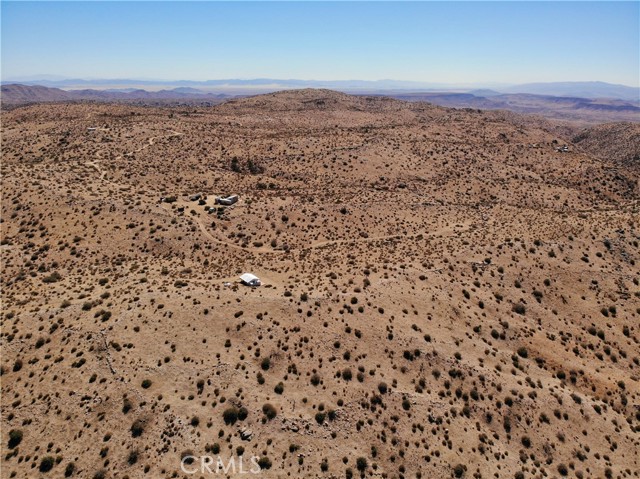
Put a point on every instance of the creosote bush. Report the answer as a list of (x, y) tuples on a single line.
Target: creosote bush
[(264, 462), (519, 308), (269, 411), (15, 437), (230, 415), (46, 464)]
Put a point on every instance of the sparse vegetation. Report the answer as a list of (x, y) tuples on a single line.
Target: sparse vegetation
[(438, 294)]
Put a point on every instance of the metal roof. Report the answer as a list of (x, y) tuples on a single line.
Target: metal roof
[(248, 277)]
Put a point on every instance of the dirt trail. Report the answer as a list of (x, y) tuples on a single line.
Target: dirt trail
[(228, 244), (319, 244), (150, 142)]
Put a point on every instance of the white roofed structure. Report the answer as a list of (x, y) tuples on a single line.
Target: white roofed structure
[(250, 279)]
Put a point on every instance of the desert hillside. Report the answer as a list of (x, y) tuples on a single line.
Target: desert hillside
[(617, 143), (445, 293)]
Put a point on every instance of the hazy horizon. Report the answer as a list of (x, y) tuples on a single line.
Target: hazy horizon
[(455, 43), (97, 81)]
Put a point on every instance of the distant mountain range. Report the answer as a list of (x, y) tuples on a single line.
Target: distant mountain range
[(587, 109), (578, 89), (264, 85), (591, 110), (20, 94)]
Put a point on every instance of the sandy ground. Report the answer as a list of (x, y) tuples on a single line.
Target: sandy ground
[(445, 294)]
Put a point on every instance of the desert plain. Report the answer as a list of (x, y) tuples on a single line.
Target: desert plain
[(445, 292)]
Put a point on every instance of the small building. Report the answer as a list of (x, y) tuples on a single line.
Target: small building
[(249, 279), (228, 201)]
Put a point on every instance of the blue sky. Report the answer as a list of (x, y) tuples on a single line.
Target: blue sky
[(449, 42)]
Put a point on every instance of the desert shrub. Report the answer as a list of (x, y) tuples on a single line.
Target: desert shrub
[(383, 388), (279, 388), (254, 168), (507, 424), (243, 412), (522, 352), (230, 415), (361, 464), (347, 375), (519, 308), (103, 315), (320, 417), (17, 365), (458, 470), (265, 364), (137, 428), (133, 457), (315, 379), (269, 411), (69, 470), (86, 306), (46, 464), (15, 438), (146, 384), (52, 278), (79, 363), (264, 462)]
